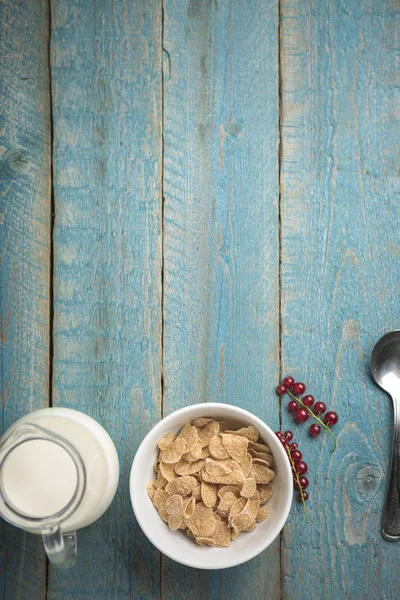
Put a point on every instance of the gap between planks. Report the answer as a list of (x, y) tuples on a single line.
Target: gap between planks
[(162, 241), (51, 260), (280, 152)]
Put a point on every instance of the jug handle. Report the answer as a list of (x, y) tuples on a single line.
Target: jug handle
[(60, 548)]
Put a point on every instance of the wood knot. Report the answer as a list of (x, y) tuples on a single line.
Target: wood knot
[(368, 480), (234, 128), (14, 161), (17, 161)]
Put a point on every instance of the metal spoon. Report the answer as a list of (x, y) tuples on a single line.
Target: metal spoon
[(385, 369)]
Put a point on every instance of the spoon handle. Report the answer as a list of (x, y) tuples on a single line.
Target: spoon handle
[(390, 524)]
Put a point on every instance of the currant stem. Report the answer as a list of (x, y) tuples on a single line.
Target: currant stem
[(298, 481), (316, 417)]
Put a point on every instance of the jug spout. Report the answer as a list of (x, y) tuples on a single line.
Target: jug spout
[(60, 548)]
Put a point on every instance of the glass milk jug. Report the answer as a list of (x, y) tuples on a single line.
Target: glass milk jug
[(59, 472)]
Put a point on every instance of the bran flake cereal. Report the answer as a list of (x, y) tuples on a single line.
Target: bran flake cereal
[(212, 481)]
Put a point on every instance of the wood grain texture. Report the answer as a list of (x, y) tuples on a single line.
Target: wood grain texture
[(106, 77), (221, 234), (340, 285), (25, 215)]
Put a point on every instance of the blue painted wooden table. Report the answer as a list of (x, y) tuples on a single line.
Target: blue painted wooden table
[(196, 198)]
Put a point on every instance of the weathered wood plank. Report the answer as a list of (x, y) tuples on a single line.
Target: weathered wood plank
[(340, 264), (106, 76), (221, 234), (25, 217)]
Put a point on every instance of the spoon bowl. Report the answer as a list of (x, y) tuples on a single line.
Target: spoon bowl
[(385, 369), (385, 362)]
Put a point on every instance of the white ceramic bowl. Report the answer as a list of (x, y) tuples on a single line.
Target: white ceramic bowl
[(176, 544)]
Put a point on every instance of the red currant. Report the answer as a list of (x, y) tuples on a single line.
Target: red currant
[(280, 436), (296, 455), (299, 388), (308, 400), (288, 382), (301, 467), (293, 446), (300, 499), (281, 390), (292, 406), (288, 436), (315, 430), (303, 482), (331, 418), (319, 408), (301, 415)]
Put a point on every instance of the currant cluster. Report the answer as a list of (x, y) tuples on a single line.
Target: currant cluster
[(299, 467), (301, 405)]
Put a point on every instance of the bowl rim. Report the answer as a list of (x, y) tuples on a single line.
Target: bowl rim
[(203, 407)]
